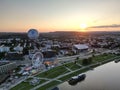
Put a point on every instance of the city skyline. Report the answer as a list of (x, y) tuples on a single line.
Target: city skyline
[(62, 15)]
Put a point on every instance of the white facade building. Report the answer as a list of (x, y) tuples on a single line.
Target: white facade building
[(7, 67), (18, 48), (4, 48), (77, 48)]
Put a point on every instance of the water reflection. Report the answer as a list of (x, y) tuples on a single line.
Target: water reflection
[(105, 77)]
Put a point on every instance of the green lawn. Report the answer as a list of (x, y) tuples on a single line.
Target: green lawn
[(49, 85), (28, 79), (25, 86), (54, 72), (95, 59), (22, 86), (103, 57), (64, 78), (72, 66), (99, 58), (79, 61)]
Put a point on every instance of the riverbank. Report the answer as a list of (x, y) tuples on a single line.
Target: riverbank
[(104, 77), (62, 73)]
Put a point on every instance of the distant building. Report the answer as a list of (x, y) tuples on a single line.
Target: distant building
[(56, 46), (63, 52), (50, 58), (19, 58), (3, 62), (3, 77), (6, 68), (34, 81), (78, 48), (4, 48), (17, 39), (14, 56), (18, 48)]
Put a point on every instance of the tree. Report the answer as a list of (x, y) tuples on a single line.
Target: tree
[(2, 55), (87, 61), (77, 58), (25, 51)]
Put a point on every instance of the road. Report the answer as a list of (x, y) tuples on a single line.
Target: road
[(57, 78), (81, 56), (64, 59), (71, 58)]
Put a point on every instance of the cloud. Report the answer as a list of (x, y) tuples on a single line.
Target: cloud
[(107, 26)]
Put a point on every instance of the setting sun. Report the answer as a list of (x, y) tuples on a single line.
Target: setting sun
[(83, 26)]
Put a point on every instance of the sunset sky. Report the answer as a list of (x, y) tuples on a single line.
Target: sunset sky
[(59, 15)]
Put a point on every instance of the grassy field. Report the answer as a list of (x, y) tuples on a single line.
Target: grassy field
[(54, 72), (25, 86), (95, 59), (57, 71), (72, 66), (99, 58), (64, 78), (49, 85), (103, 57)]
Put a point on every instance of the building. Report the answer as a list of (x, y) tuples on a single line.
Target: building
[(34, 81), (4, 48), (3, 77), (18, 48), (14, 56), (50, 58), (78, 48), (7, 67)]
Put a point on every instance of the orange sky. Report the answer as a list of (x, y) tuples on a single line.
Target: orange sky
[(59, 15)]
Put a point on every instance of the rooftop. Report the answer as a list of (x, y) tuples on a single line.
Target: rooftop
[(81, 46)]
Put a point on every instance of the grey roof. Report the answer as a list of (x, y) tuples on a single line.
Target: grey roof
[(81, 46)]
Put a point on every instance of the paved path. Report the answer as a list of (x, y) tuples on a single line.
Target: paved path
[(44, 78), (17, 82), (68, 74), (68, 68), (49, 79), (56, 78), (69, 58), (79, 65)]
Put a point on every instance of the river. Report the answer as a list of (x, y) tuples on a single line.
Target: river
[(104, 77)]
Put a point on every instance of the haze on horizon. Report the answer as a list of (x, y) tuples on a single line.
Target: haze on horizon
[(59, 15)]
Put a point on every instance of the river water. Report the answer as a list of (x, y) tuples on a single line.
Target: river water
[(104, 77)]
